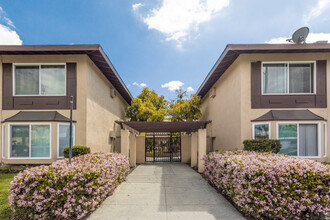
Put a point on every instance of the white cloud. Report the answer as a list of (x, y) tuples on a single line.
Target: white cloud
[(190, 89), (140, 85), (136, 6), (312, 38), (173, 85), (9, 22), (178, 19), (7, 35), (316, 11)]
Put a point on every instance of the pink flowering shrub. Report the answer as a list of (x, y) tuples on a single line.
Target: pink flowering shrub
[(271, 186), (65, 191)]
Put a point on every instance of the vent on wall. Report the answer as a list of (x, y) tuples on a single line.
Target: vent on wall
[(113, 93), (212, 92)]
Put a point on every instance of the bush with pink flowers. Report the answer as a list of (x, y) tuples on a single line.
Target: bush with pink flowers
[(65, 191), (271, 186)]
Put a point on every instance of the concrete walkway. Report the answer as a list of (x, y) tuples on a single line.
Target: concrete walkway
[(165, 191)]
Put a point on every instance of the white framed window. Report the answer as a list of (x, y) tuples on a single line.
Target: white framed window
[(282, 78), (261, 130), (29, 141), (39, 79), (63, 137), (300, 139), (3, 140)]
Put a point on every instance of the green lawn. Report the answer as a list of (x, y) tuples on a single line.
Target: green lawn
[(5, 211)]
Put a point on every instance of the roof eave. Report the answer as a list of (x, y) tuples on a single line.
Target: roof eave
[(260, 48)]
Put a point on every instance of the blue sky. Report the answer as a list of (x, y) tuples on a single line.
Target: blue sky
[(155, 42)]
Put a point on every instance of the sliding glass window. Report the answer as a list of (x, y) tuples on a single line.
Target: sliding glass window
[(288, 78), (299, 139), (39, 80), (29, 141)]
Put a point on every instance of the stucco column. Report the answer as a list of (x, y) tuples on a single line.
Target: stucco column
[(124, 142), (132, 150), (194, 144), (140, 149), (201, 149)]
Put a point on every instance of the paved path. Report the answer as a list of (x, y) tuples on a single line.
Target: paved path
[(165, 191)]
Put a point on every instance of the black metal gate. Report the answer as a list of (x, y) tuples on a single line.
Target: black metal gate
[(163, 147)]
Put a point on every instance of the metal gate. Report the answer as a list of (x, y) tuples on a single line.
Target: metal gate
[(163, 147)]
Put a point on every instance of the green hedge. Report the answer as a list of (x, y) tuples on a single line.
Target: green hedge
[(76, 151), (263, 145)]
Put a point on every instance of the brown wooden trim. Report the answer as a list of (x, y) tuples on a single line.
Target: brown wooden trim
[(227, 57), (318, 100), (7, 86), (94, 52), (71, 85), (11, 102)]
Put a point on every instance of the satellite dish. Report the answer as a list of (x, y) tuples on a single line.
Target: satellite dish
[(300, 35)]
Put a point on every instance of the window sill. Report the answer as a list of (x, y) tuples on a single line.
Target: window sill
[(29, 158)]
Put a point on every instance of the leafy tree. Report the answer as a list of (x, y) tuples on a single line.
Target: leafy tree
[(183, 109), (148, 106), (180, 93)]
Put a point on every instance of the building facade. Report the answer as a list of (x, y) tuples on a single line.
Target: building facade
[(270, 91), (37, 83)]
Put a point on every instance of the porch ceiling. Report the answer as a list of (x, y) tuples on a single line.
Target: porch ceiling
[(164, 126)]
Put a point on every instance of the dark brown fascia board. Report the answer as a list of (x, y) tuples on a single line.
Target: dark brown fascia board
[(76, 48), (223, 54), (263, 48), (115, 72)]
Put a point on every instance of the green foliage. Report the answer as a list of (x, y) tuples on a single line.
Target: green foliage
[(148, 106), (5, 210), (262, 145), (76, 151), (185, 110)]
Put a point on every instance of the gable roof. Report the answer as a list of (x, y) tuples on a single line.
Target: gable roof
[(28, 116), (289, 115), (93, 51), (232, 51)]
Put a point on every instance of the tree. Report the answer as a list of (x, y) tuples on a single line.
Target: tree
[(183, 109), (148, 106), (180, 93)]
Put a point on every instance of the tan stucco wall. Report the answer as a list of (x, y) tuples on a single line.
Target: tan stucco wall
[(102, 110), (79, 114), (248, 114), (185, 148), (140, 149), (234, 120), (224, 110), (96, 110)]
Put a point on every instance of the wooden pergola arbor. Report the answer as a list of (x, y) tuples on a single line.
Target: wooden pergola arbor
[(194, 131)]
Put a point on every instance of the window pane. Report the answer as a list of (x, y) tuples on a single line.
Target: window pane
[(40, 141), (64, 135), (19, 141), (308, 143), (274, 78), (261, 131), (287, 134), (53, 80), (27, 80), (300, 78)]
